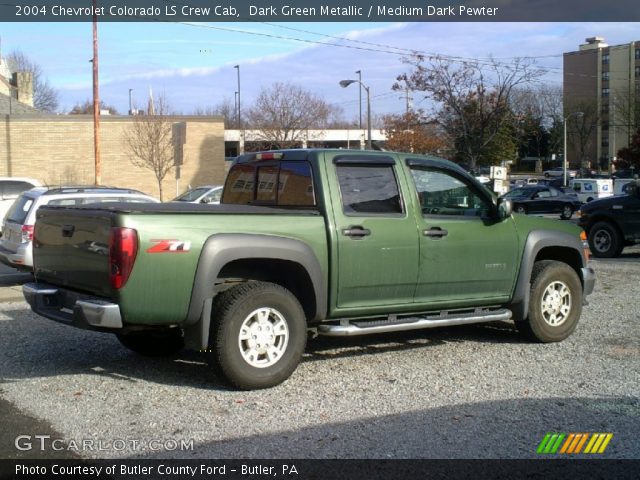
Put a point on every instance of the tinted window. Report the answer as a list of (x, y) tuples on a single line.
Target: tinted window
[(284, 184), (267, 182), (239, 185), (368, 189), (441, 193), (296, 185), (19, 210)]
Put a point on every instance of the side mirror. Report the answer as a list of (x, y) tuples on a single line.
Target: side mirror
[(205, 200), (505, 208)]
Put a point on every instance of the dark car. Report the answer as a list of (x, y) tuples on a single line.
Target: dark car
[(543, 199), (612, 223)]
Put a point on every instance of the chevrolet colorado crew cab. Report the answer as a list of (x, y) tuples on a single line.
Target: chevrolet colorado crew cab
[(328, 242)]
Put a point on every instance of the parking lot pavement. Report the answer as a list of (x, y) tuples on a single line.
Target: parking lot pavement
[(11, 281), (464, 392)]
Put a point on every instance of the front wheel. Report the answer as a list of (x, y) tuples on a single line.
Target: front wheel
[(555, 302), (567, 212), (258, 334), (604, 240), (521, 209)]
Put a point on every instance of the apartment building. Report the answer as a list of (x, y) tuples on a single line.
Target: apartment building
[(601, 82)]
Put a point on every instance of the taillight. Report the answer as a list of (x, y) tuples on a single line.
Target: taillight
[(123, 247), (27, 233)]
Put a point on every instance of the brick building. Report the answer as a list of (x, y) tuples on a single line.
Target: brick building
[(58, 149), (605, 79)]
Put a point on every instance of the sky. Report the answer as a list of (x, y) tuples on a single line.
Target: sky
[(193, 63)]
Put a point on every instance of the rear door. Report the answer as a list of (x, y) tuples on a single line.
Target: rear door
[(377, 240), (467, 254)]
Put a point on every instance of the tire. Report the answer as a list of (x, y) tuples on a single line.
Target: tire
[(250, 320), (153, 343), (604, 240), (521, 209), (555, 302), (567, 212)]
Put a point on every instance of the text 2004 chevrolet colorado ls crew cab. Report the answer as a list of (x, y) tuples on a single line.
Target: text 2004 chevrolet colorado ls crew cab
[(333, 242)]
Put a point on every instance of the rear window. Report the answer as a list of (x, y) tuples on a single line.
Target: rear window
[(12, 188), (19, 210), (285, 184)]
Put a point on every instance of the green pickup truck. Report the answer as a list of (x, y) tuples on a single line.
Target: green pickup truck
[(308, 242)]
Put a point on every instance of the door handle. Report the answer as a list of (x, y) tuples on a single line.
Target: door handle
[(435, 232), (356, 232)]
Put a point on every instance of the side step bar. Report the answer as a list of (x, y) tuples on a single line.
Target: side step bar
[(394, 324)]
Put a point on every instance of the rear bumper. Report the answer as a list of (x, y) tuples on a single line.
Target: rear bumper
[(65, 306), (22, 258)]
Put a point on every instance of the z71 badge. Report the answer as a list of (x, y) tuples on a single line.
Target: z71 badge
[(169, 246)]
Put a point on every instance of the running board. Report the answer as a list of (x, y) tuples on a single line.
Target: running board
[(394, 324)]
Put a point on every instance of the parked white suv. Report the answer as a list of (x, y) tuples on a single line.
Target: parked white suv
[(11, 188), (17, 227)]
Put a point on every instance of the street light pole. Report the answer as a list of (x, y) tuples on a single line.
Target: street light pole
[(240, 145), (345, 84), (564, 151)]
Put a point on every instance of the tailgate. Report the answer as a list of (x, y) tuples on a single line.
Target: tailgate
[(71, 248)]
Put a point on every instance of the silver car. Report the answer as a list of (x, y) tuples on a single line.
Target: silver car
[(204, 194), (17, 228)]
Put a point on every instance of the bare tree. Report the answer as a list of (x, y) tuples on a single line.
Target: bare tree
[(624, 114), (87, 107), (284, 112), (473, 97), (583, 118), (150, 141), (224, 108), (45, 97)]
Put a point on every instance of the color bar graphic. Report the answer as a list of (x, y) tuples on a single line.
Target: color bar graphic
[(574, 444)]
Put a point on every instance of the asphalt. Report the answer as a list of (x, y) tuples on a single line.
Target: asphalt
[(11, 284)]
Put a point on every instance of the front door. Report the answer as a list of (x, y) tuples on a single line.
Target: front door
[(467, 254)]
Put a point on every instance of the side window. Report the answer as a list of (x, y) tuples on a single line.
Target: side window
[(212, 197), (63, 202), (543, 194), (369, 189), (441, 193)]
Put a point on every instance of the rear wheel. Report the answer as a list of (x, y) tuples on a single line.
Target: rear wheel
[(555, 302), (521, 209), (258, 334), (604, 240), (153, 343), (567, 212)]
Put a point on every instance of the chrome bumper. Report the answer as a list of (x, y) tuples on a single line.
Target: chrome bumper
[(67, 307)]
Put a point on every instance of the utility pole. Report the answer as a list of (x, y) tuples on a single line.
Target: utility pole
[(96, 99), (359, 72), (241, 143), (130, 104)]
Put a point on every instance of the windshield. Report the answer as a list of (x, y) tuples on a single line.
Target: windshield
[(192, 195)]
